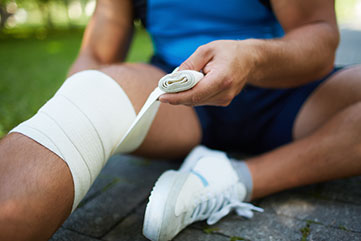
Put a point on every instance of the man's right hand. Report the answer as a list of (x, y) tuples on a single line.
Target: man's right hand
[(227, 65)]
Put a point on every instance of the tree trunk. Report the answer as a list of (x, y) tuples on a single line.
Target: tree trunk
[(66, 5), (46, 15), (4, 15)]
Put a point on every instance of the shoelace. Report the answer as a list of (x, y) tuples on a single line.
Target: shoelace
[(215, 207)]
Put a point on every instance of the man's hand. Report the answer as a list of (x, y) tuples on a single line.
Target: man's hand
[(305, 53), (226, 64)]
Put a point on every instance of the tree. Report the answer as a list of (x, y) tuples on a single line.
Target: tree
[(4, 14), (46, 14)]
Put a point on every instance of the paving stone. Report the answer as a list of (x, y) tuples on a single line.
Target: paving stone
[(97, 217), (330, 213), (263, 226), (322, 233), (190, 234), (123, 168), (130, 229), (344, 190), (66, 235)]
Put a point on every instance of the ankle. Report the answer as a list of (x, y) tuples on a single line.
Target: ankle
[(244, 176)]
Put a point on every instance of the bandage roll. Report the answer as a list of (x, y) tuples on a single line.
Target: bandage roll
[(179, 81)]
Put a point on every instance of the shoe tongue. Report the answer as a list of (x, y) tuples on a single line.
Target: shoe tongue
[(217, 171)]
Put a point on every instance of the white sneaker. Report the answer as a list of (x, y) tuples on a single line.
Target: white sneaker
[(197, 153), (208, 190)]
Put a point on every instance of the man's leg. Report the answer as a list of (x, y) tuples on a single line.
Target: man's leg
[(175, 130), (327, 139), (36, 190), (36, 186)]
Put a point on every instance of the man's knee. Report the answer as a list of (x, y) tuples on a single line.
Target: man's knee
[(138, 80), (8, 210), (16, 224), (340, 91), (11, 216), (82, 124)]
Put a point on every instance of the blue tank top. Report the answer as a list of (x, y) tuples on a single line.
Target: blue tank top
[(178, 27)]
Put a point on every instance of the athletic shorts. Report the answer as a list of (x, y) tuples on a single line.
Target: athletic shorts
[(256, 121)]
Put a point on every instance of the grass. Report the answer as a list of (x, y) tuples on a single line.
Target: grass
[(210, 230), (236, 238), (305, 231), (33, 66)]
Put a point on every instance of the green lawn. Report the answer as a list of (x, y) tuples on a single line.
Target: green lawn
[(32, 68)]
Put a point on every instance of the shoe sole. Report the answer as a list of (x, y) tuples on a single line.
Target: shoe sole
[(161, 203)]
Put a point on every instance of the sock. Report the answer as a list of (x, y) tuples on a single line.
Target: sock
[(244, 175)]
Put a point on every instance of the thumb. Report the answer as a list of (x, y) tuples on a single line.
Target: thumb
[(198, 59)]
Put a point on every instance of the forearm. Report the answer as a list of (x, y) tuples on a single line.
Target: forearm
[(304, 54), (88, 57), (107, 37)]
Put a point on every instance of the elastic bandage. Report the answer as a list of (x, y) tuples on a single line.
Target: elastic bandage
[(82, 124), (90, 118)]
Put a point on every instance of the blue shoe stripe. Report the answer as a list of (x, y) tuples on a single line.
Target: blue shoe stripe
[(204, 181)]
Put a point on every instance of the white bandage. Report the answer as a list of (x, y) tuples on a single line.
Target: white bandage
[(82, 124), (90, 118)]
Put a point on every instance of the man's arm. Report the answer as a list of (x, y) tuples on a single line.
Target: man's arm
[(107, 37), (304, 54)]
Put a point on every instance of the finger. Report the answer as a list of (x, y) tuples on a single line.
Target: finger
[(182, 98), (198, 59), (206, 88)]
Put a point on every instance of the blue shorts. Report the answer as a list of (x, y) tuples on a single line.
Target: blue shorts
[(256, 121)]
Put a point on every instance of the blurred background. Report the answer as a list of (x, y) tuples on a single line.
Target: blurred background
[(39, 40)]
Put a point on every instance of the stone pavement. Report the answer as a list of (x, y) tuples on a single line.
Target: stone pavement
[(114, 207)]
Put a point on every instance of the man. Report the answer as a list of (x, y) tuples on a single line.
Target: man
[(289, 104)]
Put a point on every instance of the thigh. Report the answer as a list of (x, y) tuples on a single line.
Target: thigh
[(339, 91), (175, 130)]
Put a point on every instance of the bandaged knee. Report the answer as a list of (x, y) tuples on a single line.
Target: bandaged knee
[(83, 124), (91, 117)]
